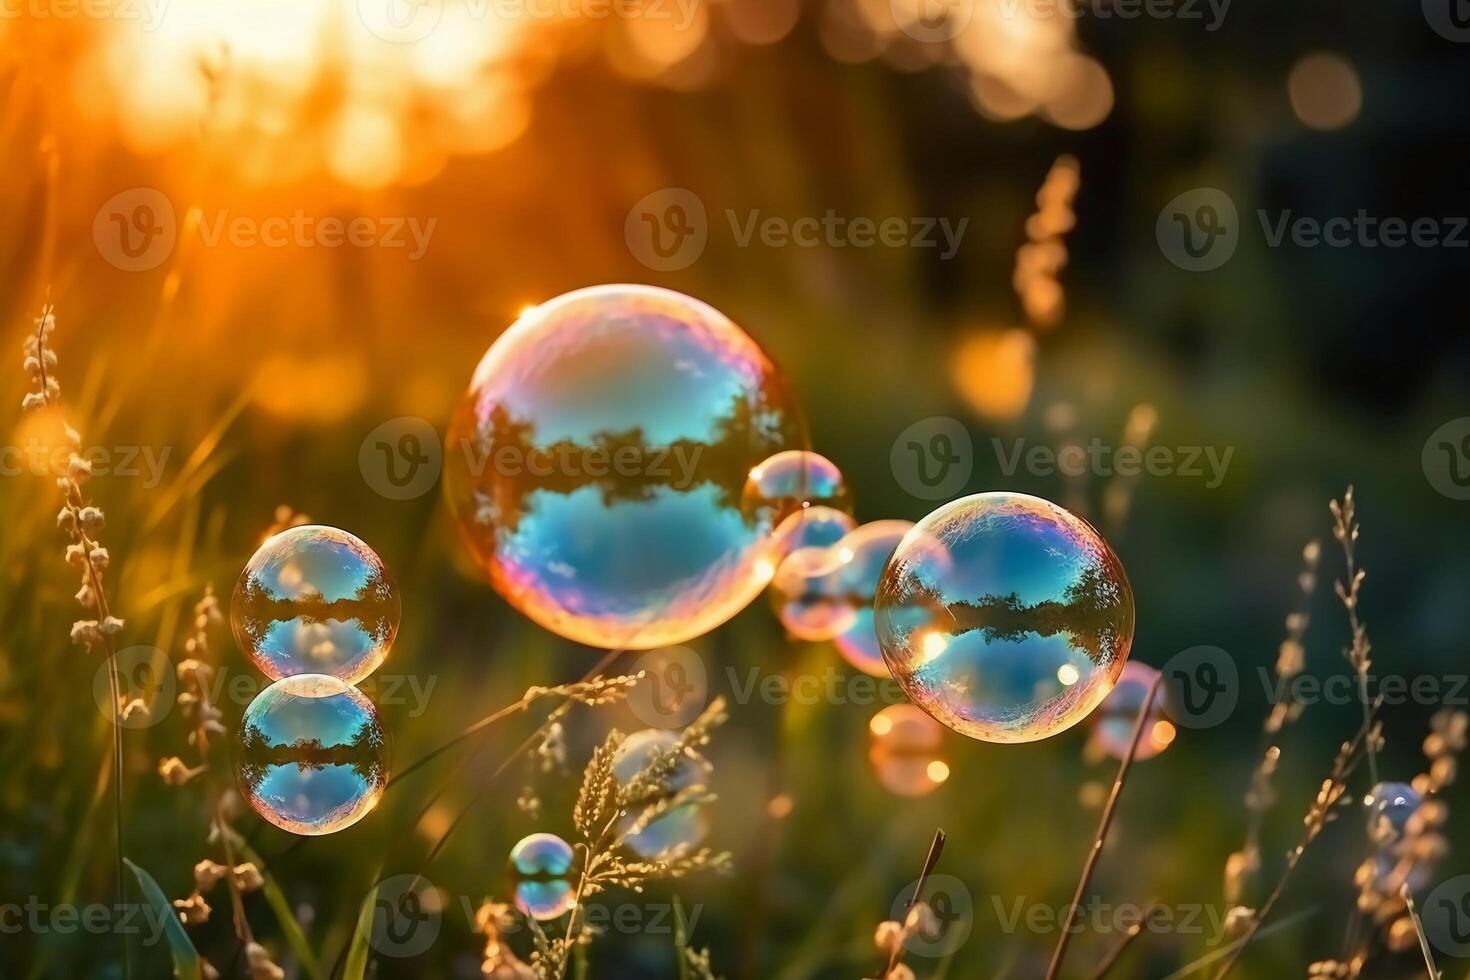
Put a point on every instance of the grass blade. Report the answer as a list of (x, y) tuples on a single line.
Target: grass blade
[(186, 957)]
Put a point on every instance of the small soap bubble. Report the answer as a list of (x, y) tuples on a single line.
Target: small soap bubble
[(541, 876), (315, 600), (1005, 617), (311, 755)]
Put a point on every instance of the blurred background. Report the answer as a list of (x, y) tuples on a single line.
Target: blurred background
[(172, 170)]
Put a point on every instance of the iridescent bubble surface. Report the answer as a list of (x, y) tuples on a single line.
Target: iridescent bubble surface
[(862, 555), (806, 595), (597, 464), (1005, 617), (789, 481), (541, 876), (812, 527), (315, 600), (907, 751), (311, 756), (1113, 722), (682, 826)]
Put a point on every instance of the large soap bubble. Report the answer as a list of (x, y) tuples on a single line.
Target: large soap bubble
[(1005, 617), (597, 465)]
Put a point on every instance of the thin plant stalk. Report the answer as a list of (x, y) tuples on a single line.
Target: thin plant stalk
[(936, 848), (1419, 931), (1119, 948), (1102, 830)]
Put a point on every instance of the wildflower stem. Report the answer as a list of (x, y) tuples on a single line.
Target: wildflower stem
[(936, 847), (1102, 830), (1419, 931), (1116, 953)]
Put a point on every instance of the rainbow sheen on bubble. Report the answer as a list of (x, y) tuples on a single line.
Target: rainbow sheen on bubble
[(906, 751), (812, 527), (1115, 718), (315, 600), (804, 593), (682, 826), (792, 480), (311, 756), (597, 464), (862, 555), (1005, 617), (541, 876)]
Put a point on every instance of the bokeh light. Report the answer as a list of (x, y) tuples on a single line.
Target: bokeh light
[(1325, 91)]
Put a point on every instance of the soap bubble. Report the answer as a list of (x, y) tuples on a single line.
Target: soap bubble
[(906, 751), (1115, 718), (315, 600), (1391, 805), (597, 464), (541, 872), (862, 555), (806, 596), (812, 527), (1005, 617), (311, 756), (792, 480), (682, 826)]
